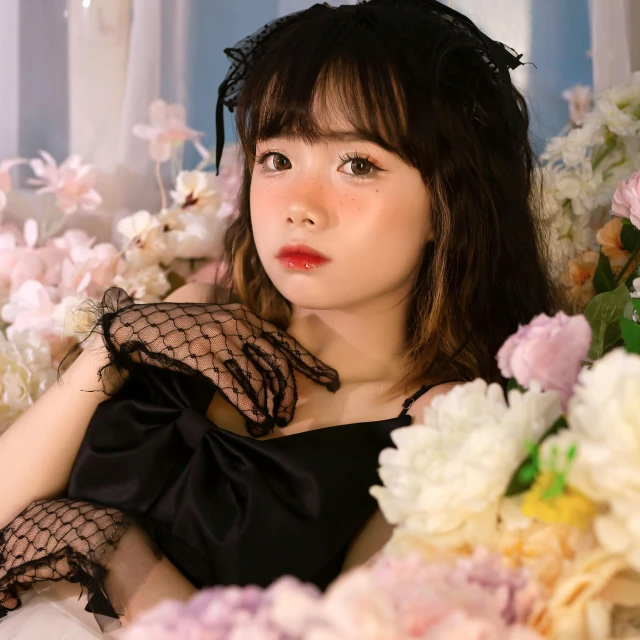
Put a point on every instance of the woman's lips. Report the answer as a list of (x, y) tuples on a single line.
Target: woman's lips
[(300, 257)]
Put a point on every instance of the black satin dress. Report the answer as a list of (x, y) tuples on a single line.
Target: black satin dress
[(225, 508)]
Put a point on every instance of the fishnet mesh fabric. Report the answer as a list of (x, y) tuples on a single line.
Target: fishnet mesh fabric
[(248, 359), (57, 540)]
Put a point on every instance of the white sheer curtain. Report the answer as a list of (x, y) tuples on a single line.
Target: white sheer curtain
[(615, 25), (9, 74), (118, 61)]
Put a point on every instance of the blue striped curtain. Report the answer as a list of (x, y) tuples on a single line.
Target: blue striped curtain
[(559, 41)]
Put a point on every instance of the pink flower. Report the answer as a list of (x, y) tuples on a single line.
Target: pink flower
[(406, 597), (548, 350), (626, 200), (168, 127), (230, 613), (72, 182), (89, 271), (5, 178), (393, 599), (30, 307)]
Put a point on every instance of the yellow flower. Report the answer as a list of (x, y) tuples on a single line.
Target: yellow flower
[(569, 507)]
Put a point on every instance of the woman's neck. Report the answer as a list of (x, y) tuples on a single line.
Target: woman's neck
[(364, 343)]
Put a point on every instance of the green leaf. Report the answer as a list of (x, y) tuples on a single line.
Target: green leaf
[(605, 310), (630, 335), (613, 337), (626, 221), (512, 384), (525, 474), (604, 280), (635, 303), (629, 237)]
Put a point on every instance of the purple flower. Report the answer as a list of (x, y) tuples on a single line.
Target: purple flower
[(231, 613)]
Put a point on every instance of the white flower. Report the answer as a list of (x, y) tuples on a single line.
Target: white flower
[(194, 192), (25, 373), (573, 149), (71, 318), (447, 476), (147, 284), (147, 241), (193, 235), (609, 113), (604, 420)]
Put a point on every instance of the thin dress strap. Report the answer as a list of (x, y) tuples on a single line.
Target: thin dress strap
[(408, 403)]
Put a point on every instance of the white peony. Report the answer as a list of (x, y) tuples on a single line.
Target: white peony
[(147, 284), (604, 420), (445, 480), (26, 371)]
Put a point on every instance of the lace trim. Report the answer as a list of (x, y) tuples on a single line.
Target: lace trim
[(60, 540)]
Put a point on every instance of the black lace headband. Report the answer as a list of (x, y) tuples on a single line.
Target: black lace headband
[(460, 32)]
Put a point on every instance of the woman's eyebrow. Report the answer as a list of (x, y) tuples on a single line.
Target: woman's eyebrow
[(332, 136)]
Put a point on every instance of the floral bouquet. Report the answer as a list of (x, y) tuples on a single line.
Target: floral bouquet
[(48, 267), (584, 169), (516, 516)]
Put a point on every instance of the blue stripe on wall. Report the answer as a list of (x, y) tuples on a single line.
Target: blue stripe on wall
[(561, 39), (214, 25), (44, 102)]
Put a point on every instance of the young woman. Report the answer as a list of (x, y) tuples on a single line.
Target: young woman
[(386, 226)]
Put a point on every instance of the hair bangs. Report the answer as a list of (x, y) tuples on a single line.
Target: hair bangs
[(314, 77)]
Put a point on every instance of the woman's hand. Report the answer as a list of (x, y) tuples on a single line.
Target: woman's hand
[(247, 358)]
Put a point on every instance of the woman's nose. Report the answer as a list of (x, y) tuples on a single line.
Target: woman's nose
[(307, 208)]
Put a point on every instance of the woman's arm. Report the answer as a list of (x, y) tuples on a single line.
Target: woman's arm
[(39, 448)]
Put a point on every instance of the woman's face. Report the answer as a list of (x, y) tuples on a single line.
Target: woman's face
[(363, 209)]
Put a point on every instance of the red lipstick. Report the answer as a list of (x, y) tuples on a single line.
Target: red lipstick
[(300, 256)]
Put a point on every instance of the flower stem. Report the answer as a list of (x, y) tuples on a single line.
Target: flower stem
[(620, 275), (163, 193)]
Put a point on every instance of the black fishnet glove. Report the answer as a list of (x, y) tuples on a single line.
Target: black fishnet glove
[(248, 359), (58, 540)]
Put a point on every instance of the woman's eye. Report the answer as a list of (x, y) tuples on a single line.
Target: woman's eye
[(275, 161), (359, 167)]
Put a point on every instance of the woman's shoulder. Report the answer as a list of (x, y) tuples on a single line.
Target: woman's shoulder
[(194, 292), (425, 400)]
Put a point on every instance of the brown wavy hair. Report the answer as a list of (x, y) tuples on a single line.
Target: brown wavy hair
[(485, 272)]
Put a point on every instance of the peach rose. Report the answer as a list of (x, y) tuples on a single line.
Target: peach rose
[(609, 238), (579, 280), (581, 583)]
